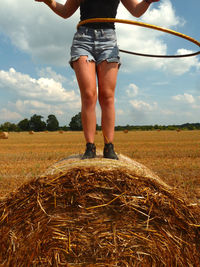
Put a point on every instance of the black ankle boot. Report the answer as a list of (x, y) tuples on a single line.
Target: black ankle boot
[(109, 152), (90, 151)]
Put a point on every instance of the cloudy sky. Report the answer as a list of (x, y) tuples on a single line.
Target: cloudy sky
[(35, 77)]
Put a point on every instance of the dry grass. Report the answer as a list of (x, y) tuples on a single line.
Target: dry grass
[(174, 156), (98, 212)]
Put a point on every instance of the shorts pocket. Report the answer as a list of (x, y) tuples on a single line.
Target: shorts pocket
[(78, 35), (109, 36)]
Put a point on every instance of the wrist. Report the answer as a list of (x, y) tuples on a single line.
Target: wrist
[(48, 2)]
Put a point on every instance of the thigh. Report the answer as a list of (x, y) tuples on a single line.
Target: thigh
[(107, 77), (85, 73)]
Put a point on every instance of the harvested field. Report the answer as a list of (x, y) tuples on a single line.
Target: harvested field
[(98, 212), (173, 156)]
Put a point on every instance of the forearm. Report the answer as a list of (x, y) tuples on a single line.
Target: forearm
[(64, 11), (141, 8), (136, 8)]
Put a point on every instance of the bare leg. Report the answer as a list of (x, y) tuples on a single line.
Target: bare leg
[(86, 77), (107, 78)]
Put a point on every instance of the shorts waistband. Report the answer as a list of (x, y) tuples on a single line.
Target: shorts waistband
[(88, 30)]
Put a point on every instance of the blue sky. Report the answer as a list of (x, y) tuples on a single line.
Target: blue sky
[(35, 77)]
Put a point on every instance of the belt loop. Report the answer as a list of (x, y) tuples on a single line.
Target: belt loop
[(95, 33)]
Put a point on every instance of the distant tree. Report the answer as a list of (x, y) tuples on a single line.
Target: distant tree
[(6, 126), (191, 127), (52, 123), (171, 128), (9, 127), (24, 125), (76, 123), (64, 128), (98, 127), (36, 124)]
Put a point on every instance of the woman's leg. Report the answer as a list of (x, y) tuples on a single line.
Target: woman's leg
[(107, 78), (86, 77)]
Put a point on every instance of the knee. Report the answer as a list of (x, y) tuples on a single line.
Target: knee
[(89, 98), (106, 98)]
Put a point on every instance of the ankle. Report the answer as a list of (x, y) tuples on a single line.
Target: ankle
[(90, 143), (109, 151), (107, 144), (90, 151)]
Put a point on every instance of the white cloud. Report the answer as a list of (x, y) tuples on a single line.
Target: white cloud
[(32, 105), (50, 74), (8, 115), (48, 37), (138, 39), (46, 89), (29, 107), (132, 90), (163, 16), (181, 65), (148, 41), (142, 106), (41, 96), (38, 31), (185, 98)]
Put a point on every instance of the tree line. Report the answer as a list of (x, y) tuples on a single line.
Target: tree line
[(174, 127), (37, 124)]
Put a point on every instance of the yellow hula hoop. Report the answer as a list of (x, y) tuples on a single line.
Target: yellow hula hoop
[(142, 24)]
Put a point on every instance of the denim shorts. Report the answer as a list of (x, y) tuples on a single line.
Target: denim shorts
[(97, 44)]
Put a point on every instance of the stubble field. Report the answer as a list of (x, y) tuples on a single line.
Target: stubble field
[(174, 156)]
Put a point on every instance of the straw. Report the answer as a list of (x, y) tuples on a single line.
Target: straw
[(98, 212)]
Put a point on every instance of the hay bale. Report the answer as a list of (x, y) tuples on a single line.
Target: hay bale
[(31, 132), (125, 131), (98, 212), (3, 135)]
